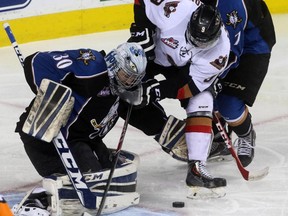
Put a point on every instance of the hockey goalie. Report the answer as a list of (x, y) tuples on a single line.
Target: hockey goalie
[(76, 104)]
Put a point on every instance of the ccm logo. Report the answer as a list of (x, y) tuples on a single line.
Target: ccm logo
[(70, 163), (235, 86)]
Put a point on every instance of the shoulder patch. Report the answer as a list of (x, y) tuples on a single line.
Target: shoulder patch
[(220, 62), (233, 19), (86, 56), (170, 7)]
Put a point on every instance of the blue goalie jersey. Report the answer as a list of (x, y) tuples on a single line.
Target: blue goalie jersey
[(85, 72)]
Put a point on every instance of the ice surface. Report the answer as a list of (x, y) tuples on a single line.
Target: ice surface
[(161, 179)]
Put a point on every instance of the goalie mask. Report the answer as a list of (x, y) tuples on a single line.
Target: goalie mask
[(126, 66), (204, 27)]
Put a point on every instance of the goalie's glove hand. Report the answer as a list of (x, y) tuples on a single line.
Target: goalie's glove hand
[(143, 36), (145, 93), (216, 87)]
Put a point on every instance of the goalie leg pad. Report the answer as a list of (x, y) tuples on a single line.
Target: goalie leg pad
[(35, 202), (50, 111), (122, 193), (172, 138)]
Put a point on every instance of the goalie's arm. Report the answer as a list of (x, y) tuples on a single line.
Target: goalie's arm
[(50, 111), (64, 67)]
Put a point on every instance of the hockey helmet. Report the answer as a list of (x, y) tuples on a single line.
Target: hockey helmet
[(204, 27), (126, 66)]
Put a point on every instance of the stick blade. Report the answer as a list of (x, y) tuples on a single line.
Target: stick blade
[(258, 175)]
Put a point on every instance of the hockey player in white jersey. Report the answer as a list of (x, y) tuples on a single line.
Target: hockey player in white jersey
[(187, 43)]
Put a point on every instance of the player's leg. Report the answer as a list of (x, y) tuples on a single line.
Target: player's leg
[(198, 132), (57, 195), (240, 90), (236, 114), (42, 155)]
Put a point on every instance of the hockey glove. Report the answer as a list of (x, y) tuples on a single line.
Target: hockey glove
[(216, 87), (144, 93), (143, 36)]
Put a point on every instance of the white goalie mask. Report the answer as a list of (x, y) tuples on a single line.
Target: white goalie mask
[(126, 66)]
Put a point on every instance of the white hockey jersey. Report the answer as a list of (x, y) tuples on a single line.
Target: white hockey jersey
[(171, 18)]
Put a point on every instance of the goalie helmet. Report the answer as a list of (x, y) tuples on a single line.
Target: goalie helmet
[(126, 66), (204, 27)]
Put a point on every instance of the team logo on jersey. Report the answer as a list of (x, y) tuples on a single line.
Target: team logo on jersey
[(171, 42), (184, 52), (170, 7), (233, 19), (86, 56), (220, 62), (102, 128), (104, 92)]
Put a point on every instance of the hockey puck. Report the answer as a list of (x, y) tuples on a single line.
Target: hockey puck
[(178, 204)]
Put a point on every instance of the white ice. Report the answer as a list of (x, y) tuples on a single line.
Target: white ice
[(162, 179)]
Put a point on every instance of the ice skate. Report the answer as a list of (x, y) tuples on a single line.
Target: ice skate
[(201, 184), (219, 152), (245, 147)]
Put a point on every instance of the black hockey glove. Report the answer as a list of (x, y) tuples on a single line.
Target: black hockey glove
[(145, 93), (216, 87), (143, 36), (150, 92)]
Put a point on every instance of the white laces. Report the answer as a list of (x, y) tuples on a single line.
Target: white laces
[(243, 145), (201, 166)]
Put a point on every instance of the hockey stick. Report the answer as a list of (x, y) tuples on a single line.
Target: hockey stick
[(116, 157), (86, 197), (14, 43), (247, 175)]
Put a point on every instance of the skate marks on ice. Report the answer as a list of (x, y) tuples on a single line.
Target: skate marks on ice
[(161, 179)]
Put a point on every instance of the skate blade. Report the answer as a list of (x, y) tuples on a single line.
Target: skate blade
[(205, 193), (219, 158)]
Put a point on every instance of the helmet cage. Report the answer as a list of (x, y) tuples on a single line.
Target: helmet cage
[(126, 66)]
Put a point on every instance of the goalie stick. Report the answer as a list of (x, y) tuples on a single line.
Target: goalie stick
[(86, 197), (116, 157), (247, 175)]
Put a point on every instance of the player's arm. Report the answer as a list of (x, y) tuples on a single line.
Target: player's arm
[(82, 70), (50, 111), (176, 87), (142, 30), (260, 17)]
